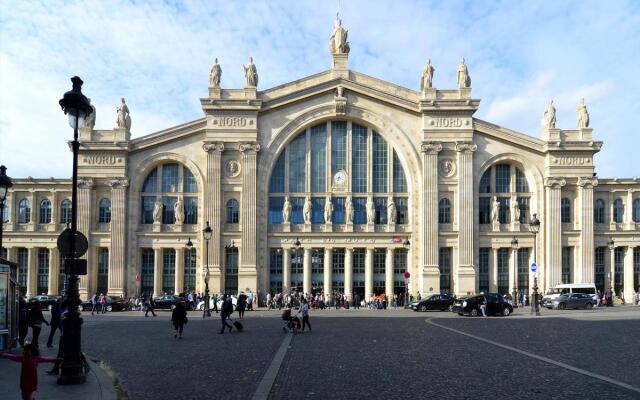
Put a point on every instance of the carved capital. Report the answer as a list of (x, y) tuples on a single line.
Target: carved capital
[(85, 183), (555, 183), (213, 146), (466, 147), (249, 147), (118, 183), (431, 147), (588, 182)]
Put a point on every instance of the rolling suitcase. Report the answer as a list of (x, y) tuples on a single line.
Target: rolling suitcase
[(238, 326)]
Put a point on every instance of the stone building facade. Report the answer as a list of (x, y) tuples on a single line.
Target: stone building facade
[(337, 182)]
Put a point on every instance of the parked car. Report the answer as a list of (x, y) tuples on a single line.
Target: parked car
[(440, 302), (234, 301), (113, 304), (169, 301), (495, 305), (573, 300), (46, 302), (569, 288)]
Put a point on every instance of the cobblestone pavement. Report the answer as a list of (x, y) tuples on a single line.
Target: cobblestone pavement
[(374, 354)]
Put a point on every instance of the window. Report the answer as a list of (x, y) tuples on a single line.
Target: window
[(167, 183), (275, 267), (483, 269), (148, 203), (317, 262), (231, 271), (359, 156), (523, 270), (317, 210), (103, 270), (399, 261), (444, 211), (297, 204), (358, 261), (636, 269), (618, 257), (485, 182), (636, 210), (3, 253), (146, 278), (190, 257), (276, 185), (24, 212), (484, 210), (565, 210), (618, 211), (338, 210), (233, 211), (567, 265), (45, 211), (65, 211), (5, 213), (168, 270), (338, 146), (380, 207), (297, 163), (276, 204), (444, 261), (523, 205), (170, 178), (189, 182), (104, 211), (151, 183), (379, 172), (598, 212), (402, 210), (168, 211), (503, 175), (379, 257), (338, 261), (503, 270), (43, 271), (359, 210), (399, 179), (504, 216), (503, 178), (521, 182), (191, 210), (318, 158), (600, 268), (23, 267)]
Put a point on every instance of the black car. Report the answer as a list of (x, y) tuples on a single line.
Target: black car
[(168, 301), (440, 302), (46, 302), (113, 304), (494, 302)]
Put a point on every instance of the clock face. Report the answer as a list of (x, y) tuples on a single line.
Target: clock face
[(340, 178)]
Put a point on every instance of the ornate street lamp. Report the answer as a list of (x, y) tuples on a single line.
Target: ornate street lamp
[(407, 245), (189, 246), (612, 270), (5, 184), (77, 107), (534, 227), (514, 246), (206, 233)]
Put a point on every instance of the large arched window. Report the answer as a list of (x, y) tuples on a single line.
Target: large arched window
[(339, 160), (636, 210), (45, 212), (618, 211), (565, 210), (104, 211), (598, 212), (233, 211), (444, 211), (168, 184), (65, 211), (506, 182), (24, 212)]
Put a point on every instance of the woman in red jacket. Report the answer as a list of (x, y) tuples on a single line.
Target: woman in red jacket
[(30, 359)]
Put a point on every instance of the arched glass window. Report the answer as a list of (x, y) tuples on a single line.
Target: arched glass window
[(65, 211), (444, 211), (485, 182), (565, 210), (496, 182), (104, 211), (636, 210), (618, 211), (233, 211), (165, 184), (521, 182), (45, 212), (24, 212), (598, 212), (5, 214)]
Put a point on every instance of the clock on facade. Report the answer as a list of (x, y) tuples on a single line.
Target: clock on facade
[(340, 178)]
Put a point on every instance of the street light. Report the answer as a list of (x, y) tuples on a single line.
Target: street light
[(5, 184), (612, 270), (407, 245), (297, 244), (189, 247), (534, 227), (514, 246), (77, 107), (206, 233)]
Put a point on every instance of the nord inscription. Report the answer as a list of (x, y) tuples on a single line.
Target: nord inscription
[(233, 122), (447, 122), (102, 160)]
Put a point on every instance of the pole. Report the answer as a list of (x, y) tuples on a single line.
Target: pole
[(535, 307), (2, 223), (207, 310), (515, 278)]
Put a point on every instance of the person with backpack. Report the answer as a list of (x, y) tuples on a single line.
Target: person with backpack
[(225, 312), (103, 303), (94, 303)]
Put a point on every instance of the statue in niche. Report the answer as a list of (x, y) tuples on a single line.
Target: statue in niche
[(371, 211), (178, 211), (515, 211), (340, 92), (583, 115), (157, 211), (251, 73), (495, 209), (348, 209), (464, 80), (549, 117), (90, 121), (391, 211), (123, 119), (307, 209), (426, 82), (328, 210), (338, 41), (215, 75), (286, 211)]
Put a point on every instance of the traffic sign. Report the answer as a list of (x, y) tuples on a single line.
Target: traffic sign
[(68, 238), (407, 275), (74, 266), (534, 267)]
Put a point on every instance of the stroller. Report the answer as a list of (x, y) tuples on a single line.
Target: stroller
[(292, 324)]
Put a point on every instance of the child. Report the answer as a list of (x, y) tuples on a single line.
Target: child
[(29, 374)]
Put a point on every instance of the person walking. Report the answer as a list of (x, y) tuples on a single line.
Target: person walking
[(23, 320), (102, 300), (30, 358), (94, 303), (179, 318), (305, 314), (150, 306), (241, 305), (36, 319), (56, 321), (225, 312)]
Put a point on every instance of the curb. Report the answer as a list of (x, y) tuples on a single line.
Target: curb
[(107, 379)]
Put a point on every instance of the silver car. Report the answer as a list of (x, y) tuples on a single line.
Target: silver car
[(572, 300)]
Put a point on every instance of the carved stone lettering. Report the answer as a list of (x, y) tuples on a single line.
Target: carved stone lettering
[(102, 160), (572, 161), (447, 122), (233, 122)]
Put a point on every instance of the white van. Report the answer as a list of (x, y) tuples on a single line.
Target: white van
[(586, 288)]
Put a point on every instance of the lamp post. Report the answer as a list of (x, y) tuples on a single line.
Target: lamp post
[(514, 246), (534, 227), (297, 244), (77, 107), (406, 244), (206, 233), (189, 247), (612, 270), (5, 184)]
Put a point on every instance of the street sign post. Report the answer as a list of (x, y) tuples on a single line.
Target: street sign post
[(68, 238)]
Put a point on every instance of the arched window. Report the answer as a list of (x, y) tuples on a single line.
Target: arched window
[(636, 210), (565, 210), (444, 211), (24, 212), (503, 181), (45, 212), (598, 212), (618, 211), (104, 212), (65, 211), (485, 182), (233, 211), (165, 184)]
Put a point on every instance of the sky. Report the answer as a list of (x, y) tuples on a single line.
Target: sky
[(157, 54)]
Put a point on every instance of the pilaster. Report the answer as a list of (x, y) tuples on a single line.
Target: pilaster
[(247, 272), (553, 239), (328, 271), (32, 272), (213, 210), (493, 271), (430, 274), (388, 274), (306, 271), (157, 271), (117, 270), (628, 275), (54, 270), (348, 273), (585, 272), (368, 274), (179, 277), (85, 200), (286, 270), (466, 272)]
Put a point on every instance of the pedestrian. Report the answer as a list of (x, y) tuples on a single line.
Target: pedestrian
[(268, 301), (56, 321), (250, 301), (356, 301), (215, 303), (190, 300), (179, 319), (305, 314), (30, 358), (483, 306), (94, 303), (103, 303), (241, 305), (36, 319), (23, 320), (225, 312), (150, 306)]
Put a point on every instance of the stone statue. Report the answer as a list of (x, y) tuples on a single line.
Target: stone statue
[(583, 115), (427, 77), (307, 209), (90, 121), (340, 92), (515, 211), (371, 211), (178, 211), (338, 41), (251, 73), (124, 116), (286, 211), (549, 117), (495, 209), (348, 209), (464, 80), (157, 211), (391, 211), (328, 210), (215, 75)]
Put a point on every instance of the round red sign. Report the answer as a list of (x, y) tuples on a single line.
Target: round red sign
[(407, 275)]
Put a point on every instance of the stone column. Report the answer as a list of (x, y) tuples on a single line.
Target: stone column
[(609, 269), (628, 274), (306, 271), (368, 274), (584, 272), (348, 273), (85, 197), (553, 237), (179, 284), (513, 271), (328, 271), (493, 270), (213, 214), (628, 215), (117, 252), (54, 270), (247, 272), (286, 270), (466, 272), (157, 271), (388, 275), (32, 272), (430, 274), (54, 209)]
